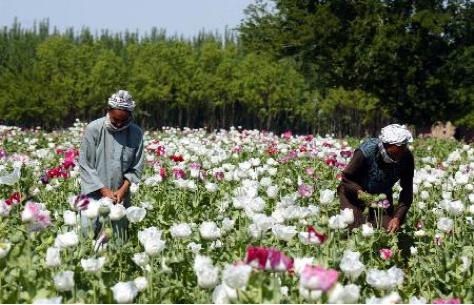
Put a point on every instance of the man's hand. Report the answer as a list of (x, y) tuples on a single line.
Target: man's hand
[(106, 192), (120, 194), (393, 225), (122, 191)]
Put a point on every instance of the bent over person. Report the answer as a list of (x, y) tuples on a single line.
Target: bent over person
[(111, 155), (375, 167)]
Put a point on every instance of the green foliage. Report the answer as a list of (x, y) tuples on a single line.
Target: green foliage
[(349, 110), (344, 67), (414, 56), (52, 79)]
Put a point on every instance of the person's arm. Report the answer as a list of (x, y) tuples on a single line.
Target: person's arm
[(406, 195), (122, 191), (87, 156), (353, 170)]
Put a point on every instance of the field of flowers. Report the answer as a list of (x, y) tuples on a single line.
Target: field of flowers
[(231, 216)]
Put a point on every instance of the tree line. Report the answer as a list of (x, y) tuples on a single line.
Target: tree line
[(48, 78), (414, 59), (345, 67)]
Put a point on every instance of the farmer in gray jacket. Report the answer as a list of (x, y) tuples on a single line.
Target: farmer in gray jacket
[(111, 154)]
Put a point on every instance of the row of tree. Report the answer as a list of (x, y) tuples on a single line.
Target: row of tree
[(50, 79), (346, 67), (416, 58)]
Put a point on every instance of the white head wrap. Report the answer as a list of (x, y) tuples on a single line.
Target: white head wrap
[(122, 100), (395, 134)]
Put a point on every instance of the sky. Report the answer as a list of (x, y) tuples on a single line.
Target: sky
[(182, 17)]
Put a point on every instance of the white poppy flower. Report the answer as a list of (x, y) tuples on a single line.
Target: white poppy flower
[(53, 257), (70, 218), (445, 224), (124, 292), (337, 222), (4, 249), (227, 224), (224, 294), (141, 259), (285, 233), (66, 240), (385, 279), (236, 276), (348, 294), (93, 265), (367, 230), (182, 230), (326, 196), (64, 281), (207, 274), (141, 283), (92, 210), (117, 212), (135, 214), (209, 230), (351, 264)]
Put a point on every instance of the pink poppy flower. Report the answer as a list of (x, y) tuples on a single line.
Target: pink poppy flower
[(446, 301), (346, 153), (305, 190), (177, 158), (386, 253), (237, 149), (81, 202), (330, 162), (287, 135), (163, 173), (160, 151), (42, 221), (219, 175), (15, 198), (69, 157), (34, 214), (309, 171), (312, 232), (318, 278), (179, 173), (268, 259), (195, 166), (272, 149), (384, 204), (3, 154), (30, 212)]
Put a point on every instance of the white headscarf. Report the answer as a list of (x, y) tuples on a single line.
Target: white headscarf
[(122, 100), (395, 134)]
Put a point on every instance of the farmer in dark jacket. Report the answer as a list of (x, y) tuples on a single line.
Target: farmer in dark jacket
[(375, 167)]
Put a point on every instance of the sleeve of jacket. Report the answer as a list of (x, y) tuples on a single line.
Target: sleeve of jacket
[(406, 183), (90, 179), (353, 170)]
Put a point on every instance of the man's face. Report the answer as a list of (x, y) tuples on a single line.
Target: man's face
[(119, 117), (396, 152)]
